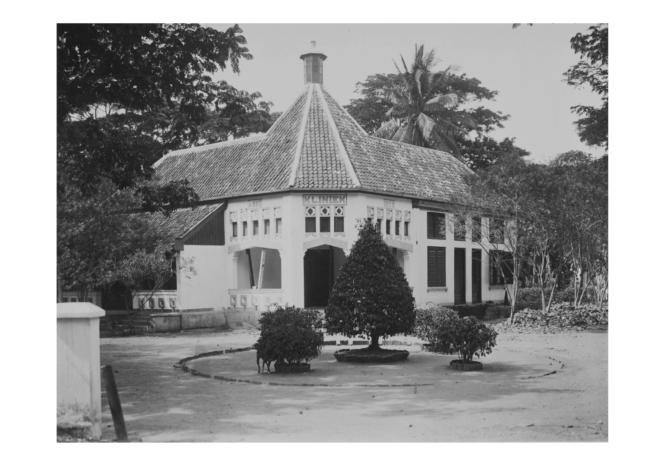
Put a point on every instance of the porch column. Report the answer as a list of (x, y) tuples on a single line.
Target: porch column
[(406, 264), (234, 271)]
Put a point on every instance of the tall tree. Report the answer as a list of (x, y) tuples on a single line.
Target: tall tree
[(431, 108), (128, 93), (593, 69)]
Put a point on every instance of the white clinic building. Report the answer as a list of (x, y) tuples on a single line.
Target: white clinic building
[(279, 211)]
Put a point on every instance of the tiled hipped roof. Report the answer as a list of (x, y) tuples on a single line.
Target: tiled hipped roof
[(331, 152), (180, 221)]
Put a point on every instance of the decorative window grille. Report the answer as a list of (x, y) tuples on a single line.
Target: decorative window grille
[(233, 216), (379, 213), (266, 212), (390, 214), (325, 211), (397, 214), (370, 212), (310, 211), (277, 212), (339, 211), (406, 216), (254, 214)]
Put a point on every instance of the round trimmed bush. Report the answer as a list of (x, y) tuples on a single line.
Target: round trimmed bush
[(445, 332), (290, 336)]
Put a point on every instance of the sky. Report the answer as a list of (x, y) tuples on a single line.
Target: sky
[(525, 65)]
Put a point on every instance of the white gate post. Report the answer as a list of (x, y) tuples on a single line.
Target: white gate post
[(79, 379)]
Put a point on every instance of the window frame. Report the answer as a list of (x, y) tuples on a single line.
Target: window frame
[(433, 228), (440, 264)]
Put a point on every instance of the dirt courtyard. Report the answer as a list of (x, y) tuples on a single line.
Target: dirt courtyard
[(517, 397)]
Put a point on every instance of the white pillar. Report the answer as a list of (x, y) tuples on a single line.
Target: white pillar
[(79, 378), (406, 265), (234, 270)]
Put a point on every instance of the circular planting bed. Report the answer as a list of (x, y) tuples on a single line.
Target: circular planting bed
[(371, 355), (466, 366), (284, 369)]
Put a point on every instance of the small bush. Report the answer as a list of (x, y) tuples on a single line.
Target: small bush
[(290, 336), (447, 333)]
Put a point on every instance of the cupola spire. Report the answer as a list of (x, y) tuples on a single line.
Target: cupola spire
[(313, 65)]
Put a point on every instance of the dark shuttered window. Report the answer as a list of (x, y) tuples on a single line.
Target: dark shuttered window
[(435, 225), (436, 267)]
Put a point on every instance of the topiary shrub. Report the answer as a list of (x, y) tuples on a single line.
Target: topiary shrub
[(447, 333), (290, 336), (371, 297)]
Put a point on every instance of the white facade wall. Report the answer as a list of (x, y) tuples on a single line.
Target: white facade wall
[(202, 277), (220, 273)]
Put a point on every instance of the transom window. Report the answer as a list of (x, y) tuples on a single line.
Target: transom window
[(436, 225)]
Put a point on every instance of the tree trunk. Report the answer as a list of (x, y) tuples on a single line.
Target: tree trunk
[(374, 342)]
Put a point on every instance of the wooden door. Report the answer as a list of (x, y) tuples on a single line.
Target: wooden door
[(317, 277), (477, 276), (459, 276)]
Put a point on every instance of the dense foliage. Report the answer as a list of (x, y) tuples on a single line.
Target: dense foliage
[(371, 296), (445, 332), (554, 223), (290, 336), (433, 109), (593, 70), (129, 93)]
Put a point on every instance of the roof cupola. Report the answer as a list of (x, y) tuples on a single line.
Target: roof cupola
[(313, 65)]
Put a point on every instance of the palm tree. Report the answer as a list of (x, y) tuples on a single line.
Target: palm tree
[(422, 112)]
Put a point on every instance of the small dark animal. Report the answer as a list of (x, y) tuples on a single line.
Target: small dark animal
[(261, 355)]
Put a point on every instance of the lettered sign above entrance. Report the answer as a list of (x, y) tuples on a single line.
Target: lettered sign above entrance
[(324, 199)]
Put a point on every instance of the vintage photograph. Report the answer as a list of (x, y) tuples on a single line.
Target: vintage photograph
[(332, 233)]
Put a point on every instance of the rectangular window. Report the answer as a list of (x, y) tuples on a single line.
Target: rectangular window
[(435, 225), (387, 226), (396, 227), (436, 267), (338, 224), (255, 229), (310, 224), (477, 229), (379, 225), (244, 228), (498, 261), (278, 226), (266, 227), (496, 231), (460, 230), (405, 228), (235, 229), (324, 224)]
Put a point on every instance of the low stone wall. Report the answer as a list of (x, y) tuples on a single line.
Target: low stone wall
[(205, 318), (237, 315), (209, 319)]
